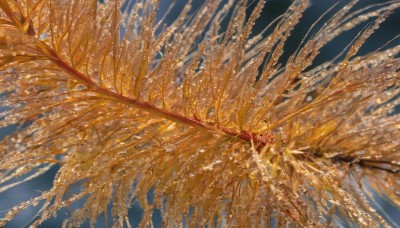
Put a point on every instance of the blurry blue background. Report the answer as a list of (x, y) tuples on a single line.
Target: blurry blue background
[(274, 8)]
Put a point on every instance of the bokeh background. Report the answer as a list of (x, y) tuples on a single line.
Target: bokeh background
[(388, 30)]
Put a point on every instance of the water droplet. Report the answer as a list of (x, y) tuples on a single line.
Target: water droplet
[(169, 147)]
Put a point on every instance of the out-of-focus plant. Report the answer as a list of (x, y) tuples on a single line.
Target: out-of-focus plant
[(204, 115)]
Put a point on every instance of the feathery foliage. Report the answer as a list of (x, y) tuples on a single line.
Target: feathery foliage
[(205, 115)]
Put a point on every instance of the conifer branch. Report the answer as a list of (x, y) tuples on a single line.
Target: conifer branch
[(211, 118)]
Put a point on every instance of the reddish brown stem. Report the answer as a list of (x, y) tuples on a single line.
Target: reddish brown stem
[(259, 140)]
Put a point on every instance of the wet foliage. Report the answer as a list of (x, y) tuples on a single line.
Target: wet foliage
[(205, 115)]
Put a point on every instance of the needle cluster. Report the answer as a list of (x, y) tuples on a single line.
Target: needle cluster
[(206, 116)]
